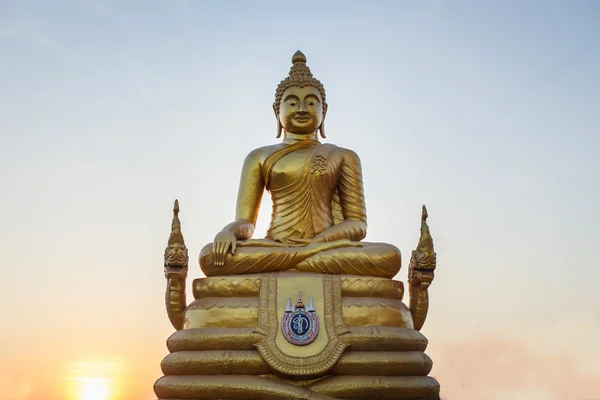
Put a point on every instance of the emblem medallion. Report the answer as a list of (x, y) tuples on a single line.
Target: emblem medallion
[(300, 324)]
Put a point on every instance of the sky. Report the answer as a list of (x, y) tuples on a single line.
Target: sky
[(487, 112)]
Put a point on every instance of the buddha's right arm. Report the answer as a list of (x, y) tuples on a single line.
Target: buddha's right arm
[(241, 229), (250, 193)]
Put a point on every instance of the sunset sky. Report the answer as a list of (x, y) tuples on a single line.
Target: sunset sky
[(487, 112)]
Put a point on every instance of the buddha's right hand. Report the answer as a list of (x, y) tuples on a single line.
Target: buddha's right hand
[(223, 241)]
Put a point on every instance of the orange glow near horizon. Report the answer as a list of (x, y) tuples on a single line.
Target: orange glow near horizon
[(94, 388), (93, 379)]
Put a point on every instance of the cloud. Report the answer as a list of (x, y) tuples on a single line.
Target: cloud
[(493, 368)]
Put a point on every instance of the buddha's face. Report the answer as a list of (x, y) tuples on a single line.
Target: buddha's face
[(301, 110)]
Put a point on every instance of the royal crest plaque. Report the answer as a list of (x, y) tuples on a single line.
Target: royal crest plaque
[(300, 324)]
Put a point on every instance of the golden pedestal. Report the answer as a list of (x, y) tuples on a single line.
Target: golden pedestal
[(232, 345)]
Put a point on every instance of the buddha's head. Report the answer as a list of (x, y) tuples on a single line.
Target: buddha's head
[(300, 105)]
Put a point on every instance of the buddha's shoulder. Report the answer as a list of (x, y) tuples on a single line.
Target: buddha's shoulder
[(345, 153), (260, 154)]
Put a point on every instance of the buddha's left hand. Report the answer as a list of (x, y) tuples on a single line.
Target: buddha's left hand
[(321, 239), (307, 241)]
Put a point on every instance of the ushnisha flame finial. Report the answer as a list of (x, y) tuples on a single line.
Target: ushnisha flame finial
[(298, 57)]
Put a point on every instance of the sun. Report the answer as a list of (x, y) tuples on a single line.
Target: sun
[(92, 379), (93, 388)]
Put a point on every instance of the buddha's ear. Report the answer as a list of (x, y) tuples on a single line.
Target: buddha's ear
[(279, 127), (322, 127)]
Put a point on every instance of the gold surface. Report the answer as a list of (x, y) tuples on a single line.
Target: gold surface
[(380, 387), (215, 362), (250, 362), (372, 287), (335, 387), (222, 313), (360, 338), (249, 286), (242, 312), (213, 339), (229, 343), (319, 215), (229, 286), (368, 311), (420, 273), (397, 363), (385, 338), (292, 361), (291, 381), (231, 387), (176, 269)]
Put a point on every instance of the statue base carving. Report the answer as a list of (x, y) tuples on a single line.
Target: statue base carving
[(296, 335)]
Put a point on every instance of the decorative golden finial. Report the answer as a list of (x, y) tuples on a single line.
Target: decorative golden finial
[(176, 254), (176, 269), (176, 236), (298, 57), (299, 302), (425, 246), (421, 272)]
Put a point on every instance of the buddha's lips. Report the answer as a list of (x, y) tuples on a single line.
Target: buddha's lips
[(302, 119)]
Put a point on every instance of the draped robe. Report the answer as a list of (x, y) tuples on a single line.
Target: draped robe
[(317, 193)]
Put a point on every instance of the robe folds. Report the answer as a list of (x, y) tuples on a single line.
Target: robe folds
[(317, 193)]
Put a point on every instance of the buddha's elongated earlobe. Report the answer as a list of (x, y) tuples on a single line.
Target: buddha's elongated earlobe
[(322, 126), (279, 127), (322, 129)]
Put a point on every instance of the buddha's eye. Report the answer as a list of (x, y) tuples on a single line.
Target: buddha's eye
[(311, 103), (292, 103)]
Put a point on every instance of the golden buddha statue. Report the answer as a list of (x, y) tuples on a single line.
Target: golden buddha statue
[(310, 311), (319, 215)]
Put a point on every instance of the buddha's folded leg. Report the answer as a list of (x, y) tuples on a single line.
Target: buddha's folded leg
[(372, 259), (247, 260), (250, 259)]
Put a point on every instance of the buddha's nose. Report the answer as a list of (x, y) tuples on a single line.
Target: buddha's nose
[(302, 108)]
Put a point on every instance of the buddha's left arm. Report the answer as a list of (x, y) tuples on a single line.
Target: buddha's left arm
[(352, 200)]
